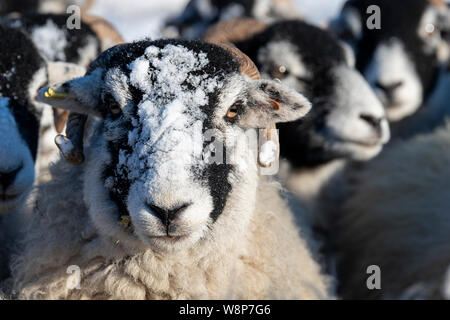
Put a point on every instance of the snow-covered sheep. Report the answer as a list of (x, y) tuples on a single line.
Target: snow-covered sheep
[(199, 15), (146, 215), (347, 121), (401, 59), (399, 220)]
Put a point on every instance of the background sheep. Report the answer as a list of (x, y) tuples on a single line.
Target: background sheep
[(398, 220), (199, 15), (347, 122), (401, 60), (23, 72), (189, 228), (58, 43)]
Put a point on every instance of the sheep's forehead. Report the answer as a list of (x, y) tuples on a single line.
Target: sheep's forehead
[(169, 120)]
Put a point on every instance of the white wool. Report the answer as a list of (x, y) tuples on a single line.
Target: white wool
[(50, 40), (268, 153)]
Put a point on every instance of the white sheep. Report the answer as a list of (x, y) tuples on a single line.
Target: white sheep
[(398, 220), (147, 216)]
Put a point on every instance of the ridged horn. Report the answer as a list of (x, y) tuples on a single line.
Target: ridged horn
[(233, 31)]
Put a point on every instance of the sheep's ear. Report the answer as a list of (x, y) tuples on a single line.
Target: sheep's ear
[(81, 95), (60, 72), (347, 26), (271, 102)]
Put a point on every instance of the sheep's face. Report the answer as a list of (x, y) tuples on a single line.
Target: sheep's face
[(347, 120), (401, 59), (22, 73), (165, 106)]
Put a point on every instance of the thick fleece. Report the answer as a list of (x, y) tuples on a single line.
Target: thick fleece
[(269, 261), (399, 220)]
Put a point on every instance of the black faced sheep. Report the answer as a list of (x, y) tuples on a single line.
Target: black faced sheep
[(399, 221), (401, 57), (347, 122), (151, 214), (199, 15), (58, 43)]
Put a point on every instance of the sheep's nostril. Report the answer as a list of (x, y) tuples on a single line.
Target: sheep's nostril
[(389, 89), (7, 177), (166, 215), (373, 121)]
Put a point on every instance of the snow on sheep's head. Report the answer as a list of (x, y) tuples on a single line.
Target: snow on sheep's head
[(401, 58), (171, 152)]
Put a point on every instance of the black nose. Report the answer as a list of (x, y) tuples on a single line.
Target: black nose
[(373, 121), (7, 177), (389, 89), (166, 215)]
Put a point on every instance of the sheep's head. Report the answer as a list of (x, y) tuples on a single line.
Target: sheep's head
[(163, 106), (347, 120), (401, 59)]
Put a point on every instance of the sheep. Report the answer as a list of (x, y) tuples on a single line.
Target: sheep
[(58, 43), (199, 15), (347, 122), (402, 59), (146, 216), (398, 220)]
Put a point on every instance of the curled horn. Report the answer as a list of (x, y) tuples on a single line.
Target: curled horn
[(233, 31), (438, 3)]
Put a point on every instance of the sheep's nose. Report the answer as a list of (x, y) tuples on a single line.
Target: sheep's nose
[(374, 122), (7, 177), (166, 215), (389, 89)]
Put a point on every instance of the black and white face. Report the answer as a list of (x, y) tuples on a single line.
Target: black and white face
[(400, 60), (23, 73), (150, 162), (55, 41), (347, 120)]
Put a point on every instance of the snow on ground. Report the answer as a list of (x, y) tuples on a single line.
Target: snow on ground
[(137, 19)]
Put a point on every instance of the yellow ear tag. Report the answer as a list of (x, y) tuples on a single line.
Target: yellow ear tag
[(51, 94), (125, 221)]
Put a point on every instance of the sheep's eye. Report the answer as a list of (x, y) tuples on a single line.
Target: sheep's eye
[(232, 112), (114, 107), (279, 72)]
